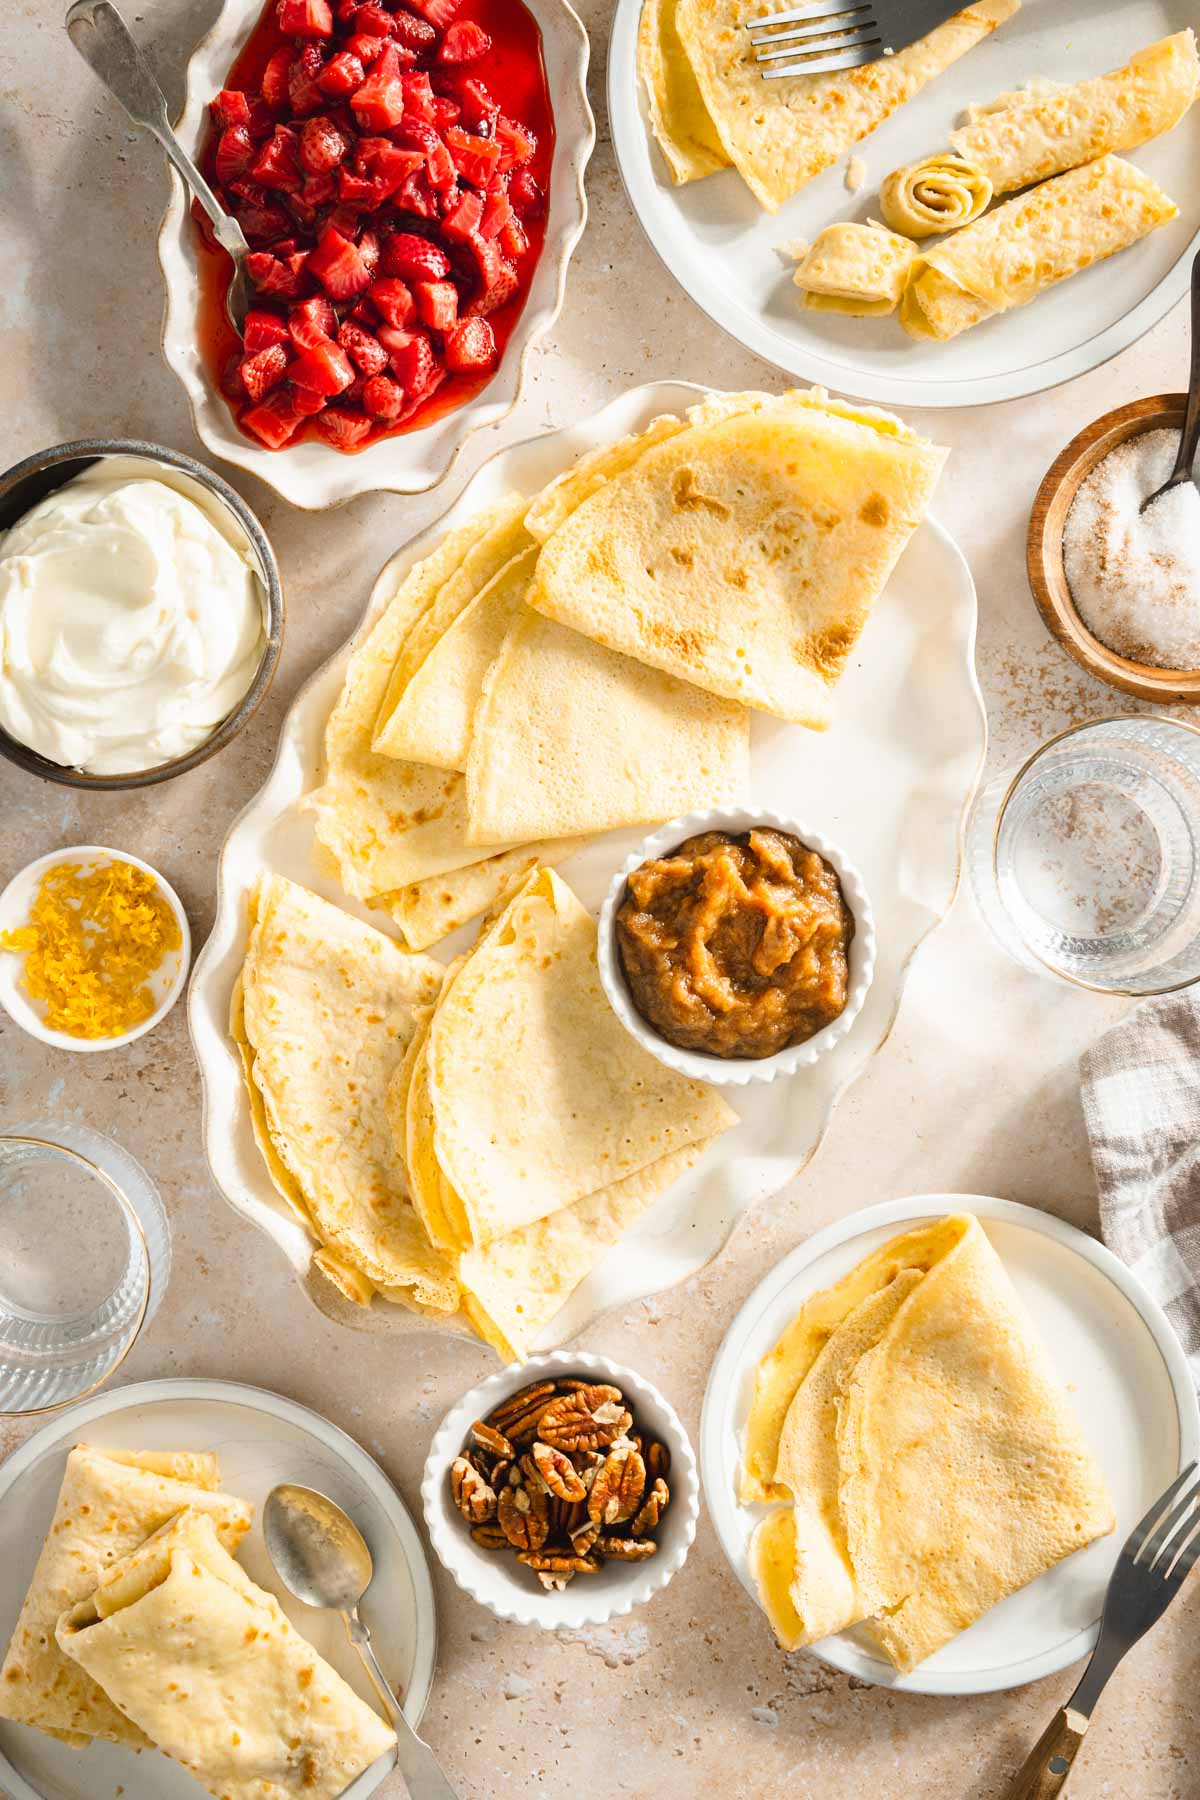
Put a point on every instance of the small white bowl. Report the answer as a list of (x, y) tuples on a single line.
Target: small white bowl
[(738, 1071), (166, 983), (495, 1578)]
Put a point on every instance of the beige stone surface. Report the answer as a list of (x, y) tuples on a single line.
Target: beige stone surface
[(976, 1090)]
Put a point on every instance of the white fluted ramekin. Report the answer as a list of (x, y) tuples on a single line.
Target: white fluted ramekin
[(494, 1577), (725, 1071)]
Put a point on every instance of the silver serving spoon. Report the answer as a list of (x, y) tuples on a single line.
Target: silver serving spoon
[(102, 38), (320, 1556), (1189, 437)]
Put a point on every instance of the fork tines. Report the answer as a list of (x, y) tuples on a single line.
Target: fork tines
[(842, 34), (1166, 1543)]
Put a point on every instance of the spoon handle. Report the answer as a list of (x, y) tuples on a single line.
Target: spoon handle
[(102, 38), (1189, 437), (419, 1766)]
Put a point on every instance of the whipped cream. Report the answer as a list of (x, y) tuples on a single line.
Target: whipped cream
[(130, 624)]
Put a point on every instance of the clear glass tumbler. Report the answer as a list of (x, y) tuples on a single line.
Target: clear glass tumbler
[(1086, 862), (84, 1261)]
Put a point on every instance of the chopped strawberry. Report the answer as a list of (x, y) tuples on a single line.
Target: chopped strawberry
[(414, 257), (338, 266), (275, 420), (463, 220), (479, 110), (307, 401), (528, 200), (374, 20), (274, 84), (413, 362), (344, 430), (497, 278), (277, 165), (305, 18), (368, 250), (464, 42), (393, 301), (497, 213), (341, 75), (438, 12), (513, 240), (415, 195), (344, 10), (437, 304), (312, 322), (364, 350), (379, 103), (231, 107), (230, 380), (387, 164), (364, 49), (262, 222), (261, 330), (319, 190), (359, 191), (235, 153), (414, 32), (475, 158), (325, 368), (383, 398), (322, 145), (445, 111), (418, 96), (345, 220), (471, 346), (304, 93), (395, 338), (264, 370), (517, 144)]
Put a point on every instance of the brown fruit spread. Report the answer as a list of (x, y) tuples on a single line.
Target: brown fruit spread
[(736, 946)]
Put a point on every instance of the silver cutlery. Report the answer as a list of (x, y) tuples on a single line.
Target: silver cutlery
[(842, 34), (102, 38), (1150, 1571), (1189, 437)]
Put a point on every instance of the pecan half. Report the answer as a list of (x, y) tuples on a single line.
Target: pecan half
[(489, 1537), (559, 1562), (619, 1549), (473, 1496), (657, 1459), (554, 1584), (494, 1442), (651, 1510), (588, 1418), (502, 1416), (524, 1516), (584, 1538), (558, 1472), (617, 1490)]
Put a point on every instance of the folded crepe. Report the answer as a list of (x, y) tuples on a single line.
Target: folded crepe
[(529, 1095), (854, 267), (208, 1666), (427, 911), (1018, 250), (744, 554), (325, 1010), (779, 134), (679, 118), (109, 1502), (940, 193), (933, 1461)]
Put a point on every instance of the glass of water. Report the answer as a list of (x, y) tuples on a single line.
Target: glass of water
[(1086, 862), (84, 1260)]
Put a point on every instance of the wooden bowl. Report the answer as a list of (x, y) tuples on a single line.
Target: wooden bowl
[(1044, 553)]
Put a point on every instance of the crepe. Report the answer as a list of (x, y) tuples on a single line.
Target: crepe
[(328, 1007), (427, 911), (855, 268), (530, 1095), (1025, 137), (572, 738), (933, 1460), (942, 192), (779, 134), (110, 1500), (679, 118), (745, 555), (1020, 249), (213, 1672)]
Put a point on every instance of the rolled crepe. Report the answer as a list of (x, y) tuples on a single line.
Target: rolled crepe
[(933, 1460), (855, 268), (109, 1502), (210, 1669), (1029, 244), (939, 193)]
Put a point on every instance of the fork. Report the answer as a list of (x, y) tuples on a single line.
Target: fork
[(1150, 1571), (842, 34)]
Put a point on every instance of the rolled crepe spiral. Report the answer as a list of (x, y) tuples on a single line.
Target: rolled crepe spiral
[(939, 193)]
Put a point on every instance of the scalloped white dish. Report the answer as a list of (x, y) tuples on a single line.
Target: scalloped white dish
[(312, 474), (890, 782)]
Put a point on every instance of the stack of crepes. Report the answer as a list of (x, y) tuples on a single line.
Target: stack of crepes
[(140, 1627), (911, 1418), (586, 660), (465, 1142)]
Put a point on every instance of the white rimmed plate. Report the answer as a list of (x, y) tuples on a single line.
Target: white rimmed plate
[(723, 249), (261, 1439), (1115, 1353), (890, 781), (312, 474)]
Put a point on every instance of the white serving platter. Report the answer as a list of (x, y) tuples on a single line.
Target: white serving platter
[(1118, 1359), (723, 249), (261, 1439), (890, 782)]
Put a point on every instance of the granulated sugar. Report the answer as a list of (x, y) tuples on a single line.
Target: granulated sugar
[(1135, 577)]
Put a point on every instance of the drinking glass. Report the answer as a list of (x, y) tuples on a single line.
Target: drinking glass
[(1085, 863), (84, 1260)]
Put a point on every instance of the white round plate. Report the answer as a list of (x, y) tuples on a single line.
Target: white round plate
[(890, 782), (724, 249), (261, 1439), (1117, 1357)]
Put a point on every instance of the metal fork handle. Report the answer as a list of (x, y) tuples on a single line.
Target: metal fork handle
[(1189, 437), (102, 38), (1045, 1770)]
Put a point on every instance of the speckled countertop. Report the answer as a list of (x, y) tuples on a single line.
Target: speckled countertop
[(976, 1090)]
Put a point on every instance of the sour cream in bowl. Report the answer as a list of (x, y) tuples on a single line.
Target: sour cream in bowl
[(140, 614)]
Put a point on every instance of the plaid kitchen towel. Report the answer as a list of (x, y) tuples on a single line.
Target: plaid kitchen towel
[(1141, 1103)]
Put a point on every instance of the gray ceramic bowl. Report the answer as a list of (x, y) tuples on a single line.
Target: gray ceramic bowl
[(22, 486)]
